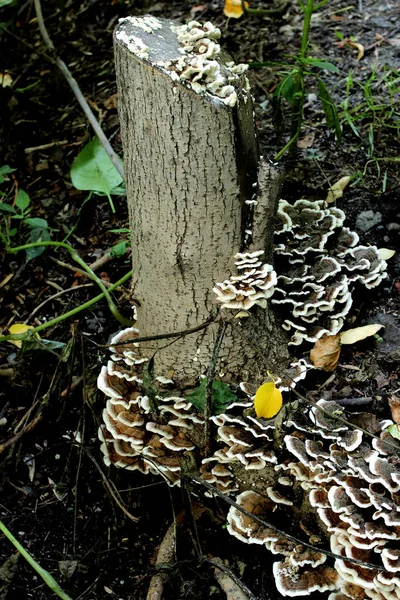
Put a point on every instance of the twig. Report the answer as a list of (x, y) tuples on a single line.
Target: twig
[(218, 564), (71, 289), (103, 260), (45, 146), (71, 313), (162, 336), (113, 493), (354, 401), (165, 556), (209, 383), (31, 425), (284, 534), (78, 94)]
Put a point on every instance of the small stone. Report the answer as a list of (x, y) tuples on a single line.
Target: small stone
[(393, 227), (367, 219)]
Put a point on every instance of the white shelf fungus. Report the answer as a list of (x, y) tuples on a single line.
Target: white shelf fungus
[(319, 262), (343, 482), (199, 67), (253, 284)]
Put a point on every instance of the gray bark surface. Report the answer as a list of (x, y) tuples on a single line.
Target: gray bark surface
[(190, 164)]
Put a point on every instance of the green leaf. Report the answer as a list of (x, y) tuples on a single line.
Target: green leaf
[(33, 344), (394, 431), (36, 222), (119, 249), (287, 88), (221, 396), (7, 208), (94, 171), (330, 111), (38, 234), (22, 201), (6, 2), (322, 64), (5, 169)]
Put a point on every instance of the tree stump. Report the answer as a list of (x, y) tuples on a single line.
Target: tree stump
[(197, 195)]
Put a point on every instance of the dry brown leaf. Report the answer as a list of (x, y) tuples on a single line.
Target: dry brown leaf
[(351, 336), (394, 403), (306, 141), (336, 191), (326, 352)]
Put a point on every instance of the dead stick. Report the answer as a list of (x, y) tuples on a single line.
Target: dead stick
[(16, 437), (218, 564), (78, 94), (354, 401), (165, 557), (162, 336)]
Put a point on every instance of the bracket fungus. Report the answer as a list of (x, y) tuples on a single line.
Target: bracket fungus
[(343, 485), (319, 262), (253, 284)]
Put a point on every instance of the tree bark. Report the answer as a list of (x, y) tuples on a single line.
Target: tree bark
[(191, 162)]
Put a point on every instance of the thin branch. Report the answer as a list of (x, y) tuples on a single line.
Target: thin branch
[(163, 336), (54, 297), (284, 534), (354, 401), (113, 492), (116, 161), (219, 565)]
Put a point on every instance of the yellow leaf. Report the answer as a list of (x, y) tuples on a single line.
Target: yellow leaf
[(336, 191), (359, 47), (385, 253), (233, 8), (268, 400), (19, 328), (351, 336)]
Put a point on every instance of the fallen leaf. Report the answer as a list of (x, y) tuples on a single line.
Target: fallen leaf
[(19, 328), (356, 46), (336, 191), (67, 567), (351, 336), (5, 80), (385, 253), (326, 352), (267, 401), (306, 141), (394, 431), (242, 314), (233, 8), (394, 403)]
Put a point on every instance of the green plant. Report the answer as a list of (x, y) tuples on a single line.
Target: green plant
[(32, 332), (293, 86), (371, 110), (18, 215), (45, 575), (93, 171)]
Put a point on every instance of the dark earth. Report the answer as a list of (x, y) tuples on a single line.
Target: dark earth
[(57, 497)]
